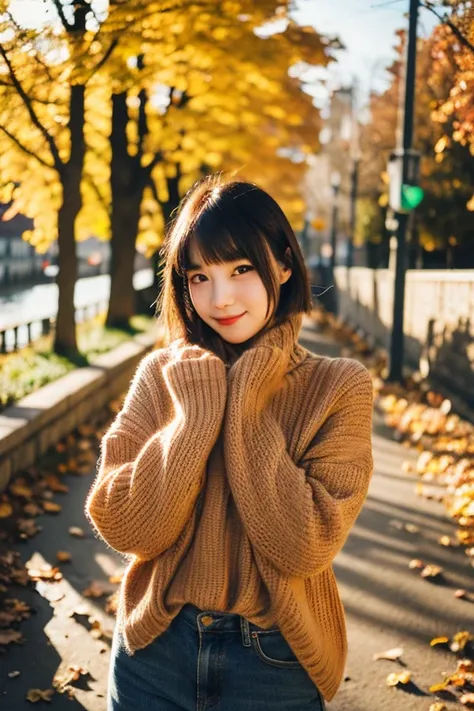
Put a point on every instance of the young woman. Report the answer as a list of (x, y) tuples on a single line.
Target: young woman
[(232, 476)]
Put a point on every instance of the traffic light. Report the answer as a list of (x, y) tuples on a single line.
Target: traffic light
[(403, 170)]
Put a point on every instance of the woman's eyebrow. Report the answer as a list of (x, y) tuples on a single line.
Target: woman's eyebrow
[(193, 267)]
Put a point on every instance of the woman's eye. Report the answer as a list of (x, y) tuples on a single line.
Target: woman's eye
[(196, 278), (246, 267)]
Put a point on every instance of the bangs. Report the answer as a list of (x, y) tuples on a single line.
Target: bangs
[(217, 241)]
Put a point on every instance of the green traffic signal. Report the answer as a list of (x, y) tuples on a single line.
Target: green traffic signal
[(412, 195)]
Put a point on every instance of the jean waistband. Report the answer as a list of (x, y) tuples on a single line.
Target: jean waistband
[(219, 621)]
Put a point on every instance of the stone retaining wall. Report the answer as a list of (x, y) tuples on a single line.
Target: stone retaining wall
[(41, 419)]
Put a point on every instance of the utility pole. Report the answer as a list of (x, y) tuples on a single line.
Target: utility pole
[(397, 336)]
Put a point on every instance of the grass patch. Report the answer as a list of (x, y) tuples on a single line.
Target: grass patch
[(27, 370)]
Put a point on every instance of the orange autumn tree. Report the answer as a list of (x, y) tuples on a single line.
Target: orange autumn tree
[(446, 168)]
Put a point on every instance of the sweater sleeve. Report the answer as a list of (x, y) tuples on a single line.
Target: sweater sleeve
[(298, 517), (152, 465)]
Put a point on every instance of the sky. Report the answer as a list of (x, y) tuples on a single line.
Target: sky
[(366, 28)]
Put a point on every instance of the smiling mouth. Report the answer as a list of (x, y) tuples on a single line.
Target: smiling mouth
[(230, 320)]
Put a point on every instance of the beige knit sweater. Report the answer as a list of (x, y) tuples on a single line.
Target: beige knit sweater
[(234, 490)]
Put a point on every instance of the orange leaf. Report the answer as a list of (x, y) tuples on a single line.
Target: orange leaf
[(52, 507), (63, 556)]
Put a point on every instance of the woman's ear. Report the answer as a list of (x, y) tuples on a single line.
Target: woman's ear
[(285, 267)]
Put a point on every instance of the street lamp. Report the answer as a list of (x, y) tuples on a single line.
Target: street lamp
[(335, 185)]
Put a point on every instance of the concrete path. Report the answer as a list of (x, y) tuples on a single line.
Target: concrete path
[(387, 604)]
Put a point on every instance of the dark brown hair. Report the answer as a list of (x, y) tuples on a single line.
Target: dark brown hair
[(229, 221)]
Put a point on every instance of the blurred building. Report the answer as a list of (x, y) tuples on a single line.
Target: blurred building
[(21, 265), (19, 262)]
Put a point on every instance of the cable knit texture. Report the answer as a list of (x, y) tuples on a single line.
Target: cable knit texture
[(234, 490)]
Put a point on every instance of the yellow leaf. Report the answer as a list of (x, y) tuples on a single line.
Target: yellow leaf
[(6, 509), (403, 677), (439, 640)]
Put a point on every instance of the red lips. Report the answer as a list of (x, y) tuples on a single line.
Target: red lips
[(229, 321)]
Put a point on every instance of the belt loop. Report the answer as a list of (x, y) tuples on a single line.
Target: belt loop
[(245, 629)]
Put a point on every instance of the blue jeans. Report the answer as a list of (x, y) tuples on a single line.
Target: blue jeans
[(211, 660)]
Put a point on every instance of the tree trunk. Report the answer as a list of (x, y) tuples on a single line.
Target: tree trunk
[(167, 209), (127, 186), (125, 218), (65, 342)]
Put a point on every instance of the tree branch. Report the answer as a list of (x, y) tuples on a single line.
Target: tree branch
[(101, 63), (446, 21), (26, 150), (58, 164), (60, 10)]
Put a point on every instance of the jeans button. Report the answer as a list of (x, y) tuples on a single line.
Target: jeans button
[(207, 620)]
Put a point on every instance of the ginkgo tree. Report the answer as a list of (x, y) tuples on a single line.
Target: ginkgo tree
[(217, 110), (124, 106), (42, 117)]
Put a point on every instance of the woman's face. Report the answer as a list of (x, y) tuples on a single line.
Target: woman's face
[(230, 297)]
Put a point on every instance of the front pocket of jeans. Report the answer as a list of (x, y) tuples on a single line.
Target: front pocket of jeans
[(273, 649)]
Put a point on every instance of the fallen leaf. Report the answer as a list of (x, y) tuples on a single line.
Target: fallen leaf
[(116, 579), (465, 665), (435, 688), (438, 707), (20, 490), (65, 677), (27, 527), (391, 655), (6, 509), (32, 509), (439, 640), (56, 485), (35, 695), (395, 678), (111, 604), (52, 507), (461, 594), (98, 589), (46, 573), (467, 700), (415, 564), (411, 528), (63, 556), (431, 571), (9, 636), (460, 641), (448, 541), (76, 532)]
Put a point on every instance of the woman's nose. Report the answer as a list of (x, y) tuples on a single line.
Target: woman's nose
[(222, 296)]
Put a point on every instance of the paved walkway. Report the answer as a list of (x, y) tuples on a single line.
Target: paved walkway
[(387, 604)]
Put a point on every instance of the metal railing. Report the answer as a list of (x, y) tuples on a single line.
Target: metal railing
[(20, 335)]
